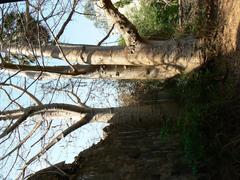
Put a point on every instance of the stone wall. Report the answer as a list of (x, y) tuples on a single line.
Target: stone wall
[(133, 153), (136, 147)]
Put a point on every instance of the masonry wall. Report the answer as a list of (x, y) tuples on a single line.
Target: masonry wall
[(134, 153), (136, 147)]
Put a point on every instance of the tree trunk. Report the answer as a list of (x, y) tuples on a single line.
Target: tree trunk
[(169, 58), (154, 60), (93, 71), (184, 52)]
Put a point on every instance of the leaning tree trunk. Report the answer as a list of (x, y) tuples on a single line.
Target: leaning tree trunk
[(141, 59), (154, 60), (186, 53)]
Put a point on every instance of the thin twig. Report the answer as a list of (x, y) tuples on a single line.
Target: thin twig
[(86, 119)]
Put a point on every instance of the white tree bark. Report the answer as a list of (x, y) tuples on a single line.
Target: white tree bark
[(187, 52), (155, 60), (158, 60), (94, 71)]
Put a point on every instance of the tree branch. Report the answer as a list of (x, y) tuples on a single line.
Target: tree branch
[(10, 1), (86, 119), (23, 117), (75, 2), (22, 142), (124, 26), (97, 72), (34, 98), (50, 108), (108, 34), (186, 52)]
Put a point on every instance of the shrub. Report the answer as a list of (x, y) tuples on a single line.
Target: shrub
[(155, 18)]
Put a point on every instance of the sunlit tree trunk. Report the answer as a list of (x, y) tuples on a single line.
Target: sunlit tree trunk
[(157, 59), (168, 58)]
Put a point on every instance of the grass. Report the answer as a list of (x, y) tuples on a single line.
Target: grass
[(190, 92)]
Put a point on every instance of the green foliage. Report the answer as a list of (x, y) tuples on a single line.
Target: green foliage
[(156, 19), (199, 95), (122, 3), (96, 17), (191, 137), (208, 124), (195, 94), (15, 29), (166, 129), (197, 24), (121, 41)]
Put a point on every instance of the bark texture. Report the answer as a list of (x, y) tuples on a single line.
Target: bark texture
[(154, 60), (93, 71), (184, 52), (124, 26)]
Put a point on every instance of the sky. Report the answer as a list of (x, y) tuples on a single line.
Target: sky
[(82, 31), (79, 31)]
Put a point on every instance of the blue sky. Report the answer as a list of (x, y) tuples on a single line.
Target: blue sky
[(79, 31), (82, 31)]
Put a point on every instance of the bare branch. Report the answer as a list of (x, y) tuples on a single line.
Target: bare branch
[(23, 141), (44, 134), (24, 90), (10, 98), (108, 34), (86, 119), (34, 98), (58, 108), (10, 1), (75, 2), (58, 46), (124, 26), (25, 115)]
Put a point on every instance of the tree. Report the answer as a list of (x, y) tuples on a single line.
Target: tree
[(15, 26), (139, 59), (162, 59)]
